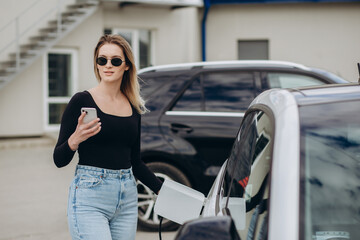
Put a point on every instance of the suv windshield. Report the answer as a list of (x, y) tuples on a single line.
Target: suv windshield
[(330, 171)]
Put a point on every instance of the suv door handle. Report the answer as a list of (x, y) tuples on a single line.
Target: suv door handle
[(176, 127)]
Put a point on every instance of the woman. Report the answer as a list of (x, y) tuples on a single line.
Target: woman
[(103, 195)]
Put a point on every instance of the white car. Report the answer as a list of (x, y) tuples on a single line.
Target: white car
[(293, 173)]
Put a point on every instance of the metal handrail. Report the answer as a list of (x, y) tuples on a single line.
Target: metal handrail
[(19, 35)]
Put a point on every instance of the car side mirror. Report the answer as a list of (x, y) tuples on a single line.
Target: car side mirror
[(209, 228)]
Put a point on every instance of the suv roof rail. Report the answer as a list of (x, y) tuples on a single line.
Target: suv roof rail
[(234, 63)]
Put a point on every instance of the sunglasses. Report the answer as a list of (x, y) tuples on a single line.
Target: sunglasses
[(103, 61)]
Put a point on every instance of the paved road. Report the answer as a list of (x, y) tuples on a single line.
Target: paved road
[(34, 194)]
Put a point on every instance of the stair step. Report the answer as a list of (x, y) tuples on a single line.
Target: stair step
[(83, 5), (72, 13), (79, 9), (52, 29), (5, 73), (3, 80), (7, 64), (42, 37), (23, 55), (12, 63), (44, 43), (51, 34), (33, 52), (37, 45), (64, 21), (73, 18), (10, 70)]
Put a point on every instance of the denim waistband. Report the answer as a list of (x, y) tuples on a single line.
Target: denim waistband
[(102, 171)]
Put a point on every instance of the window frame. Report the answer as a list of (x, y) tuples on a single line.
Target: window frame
[(73, 85)]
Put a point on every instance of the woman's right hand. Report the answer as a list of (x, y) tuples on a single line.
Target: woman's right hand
[(83, 131)]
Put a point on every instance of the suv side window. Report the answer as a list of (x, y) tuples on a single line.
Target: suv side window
[(290, 80), (247, 172), (154, 85), (228, 91), (192, 99)]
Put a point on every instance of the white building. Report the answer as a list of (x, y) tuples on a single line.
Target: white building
[(34, 92)]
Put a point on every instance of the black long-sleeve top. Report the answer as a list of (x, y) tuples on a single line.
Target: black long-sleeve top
[(116, 146)]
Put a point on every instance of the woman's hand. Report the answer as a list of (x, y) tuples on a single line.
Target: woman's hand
[(83, 131)]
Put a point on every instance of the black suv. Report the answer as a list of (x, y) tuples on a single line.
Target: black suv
[(195, 112)]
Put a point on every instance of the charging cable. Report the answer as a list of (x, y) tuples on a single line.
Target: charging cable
[(161, 219)]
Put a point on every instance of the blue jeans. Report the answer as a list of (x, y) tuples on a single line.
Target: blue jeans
[(102, 204)]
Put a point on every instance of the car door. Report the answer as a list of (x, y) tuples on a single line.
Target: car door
[(202, 122)]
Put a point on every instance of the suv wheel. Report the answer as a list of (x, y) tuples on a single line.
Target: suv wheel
[(148, 220)]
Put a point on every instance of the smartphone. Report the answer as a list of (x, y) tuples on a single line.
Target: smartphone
[(90, 114)]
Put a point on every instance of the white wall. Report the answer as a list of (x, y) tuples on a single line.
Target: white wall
[(21, 104), (177, 34), (322, 35)]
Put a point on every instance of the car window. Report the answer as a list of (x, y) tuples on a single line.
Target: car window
[(290, 80), (151, 83), (246, 126), (247, 171), (191, 99), (330, 176), (228, 91), (157, 90)]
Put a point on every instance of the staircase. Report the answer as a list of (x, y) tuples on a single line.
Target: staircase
[(47, 37)]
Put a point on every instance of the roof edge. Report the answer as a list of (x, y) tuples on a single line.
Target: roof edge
[(209, 64)]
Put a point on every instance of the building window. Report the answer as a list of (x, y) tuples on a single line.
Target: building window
[(141, 43), (60, 84), (253, 50)]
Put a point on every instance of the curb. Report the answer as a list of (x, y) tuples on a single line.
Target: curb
[(14, 143)]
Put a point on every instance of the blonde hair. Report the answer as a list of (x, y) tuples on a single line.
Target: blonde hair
[(129, 85)]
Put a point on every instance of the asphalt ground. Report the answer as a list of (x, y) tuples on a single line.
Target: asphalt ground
[(34, 193)]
